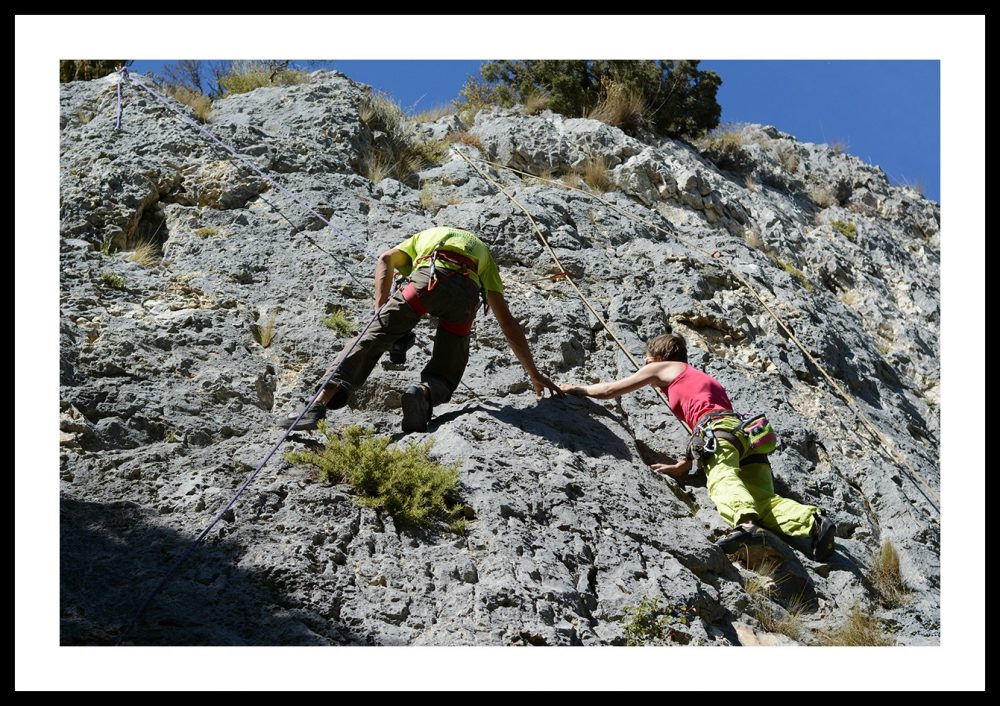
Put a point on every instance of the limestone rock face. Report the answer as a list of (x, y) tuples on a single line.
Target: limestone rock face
[(168, 398)]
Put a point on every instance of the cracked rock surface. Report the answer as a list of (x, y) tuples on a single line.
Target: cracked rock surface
[(168, 399)]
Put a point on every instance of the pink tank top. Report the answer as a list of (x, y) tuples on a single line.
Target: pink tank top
[(694, 393)]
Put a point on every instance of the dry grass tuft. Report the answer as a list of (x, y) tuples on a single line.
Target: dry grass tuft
[(427, 199), (536, 102), (821, 195), (620, 106), (263, 333), (789, 160), (573, 180), (435, 113), (400, 152), (147, 253), (861, 629), (595, 173), (200, 105), (245, 76), (466, 138), (886, 576), (375, 167), (915, 185), (771, 616)]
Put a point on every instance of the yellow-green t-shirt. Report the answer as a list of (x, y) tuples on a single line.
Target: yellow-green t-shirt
[(422, 244)]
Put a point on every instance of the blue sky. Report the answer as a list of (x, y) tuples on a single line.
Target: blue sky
[(885, 112)]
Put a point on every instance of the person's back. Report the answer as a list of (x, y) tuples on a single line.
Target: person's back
[(694, 393), (420, 248)]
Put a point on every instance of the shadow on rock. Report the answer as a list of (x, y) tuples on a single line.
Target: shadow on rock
[(569, 424), (460, 412), (111, 557)]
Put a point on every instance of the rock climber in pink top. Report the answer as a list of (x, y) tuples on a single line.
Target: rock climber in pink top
[(740, 484)]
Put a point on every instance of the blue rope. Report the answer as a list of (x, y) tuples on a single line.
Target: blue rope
[(172, 571)]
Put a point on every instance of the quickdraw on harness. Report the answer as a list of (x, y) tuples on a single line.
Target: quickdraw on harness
[(754, 438), (412, 295)]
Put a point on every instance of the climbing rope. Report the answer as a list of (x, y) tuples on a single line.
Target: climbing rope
[(172, 571), (328, 376), (564, 275), (886, 442)]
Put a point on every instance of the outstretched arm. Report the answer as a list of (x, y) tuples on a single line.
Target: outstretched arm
[(659, 373), (387, 262), (656, 374), (515, 337)]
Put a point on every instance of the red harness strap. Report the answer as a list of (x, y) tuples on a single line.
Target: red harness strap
[(412, 296), (458, 328), (466, 263)]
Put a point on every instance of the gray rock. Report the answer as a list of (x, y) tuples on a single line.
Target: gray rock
[(168, 397)]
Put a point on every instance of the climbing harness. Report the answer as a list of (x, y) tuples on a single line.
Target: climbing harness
[(173, 570), (753, 439), (467, 266), (339, 400)]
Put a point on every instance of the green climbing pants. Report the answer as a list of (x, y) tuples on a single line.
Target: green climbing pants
[(737, 490)]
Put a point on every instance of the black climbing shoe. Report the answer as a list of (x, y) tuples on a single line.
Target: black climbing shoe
[(309, 420), (416, 409), (748, 534), (397, 353), (823, 532)]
